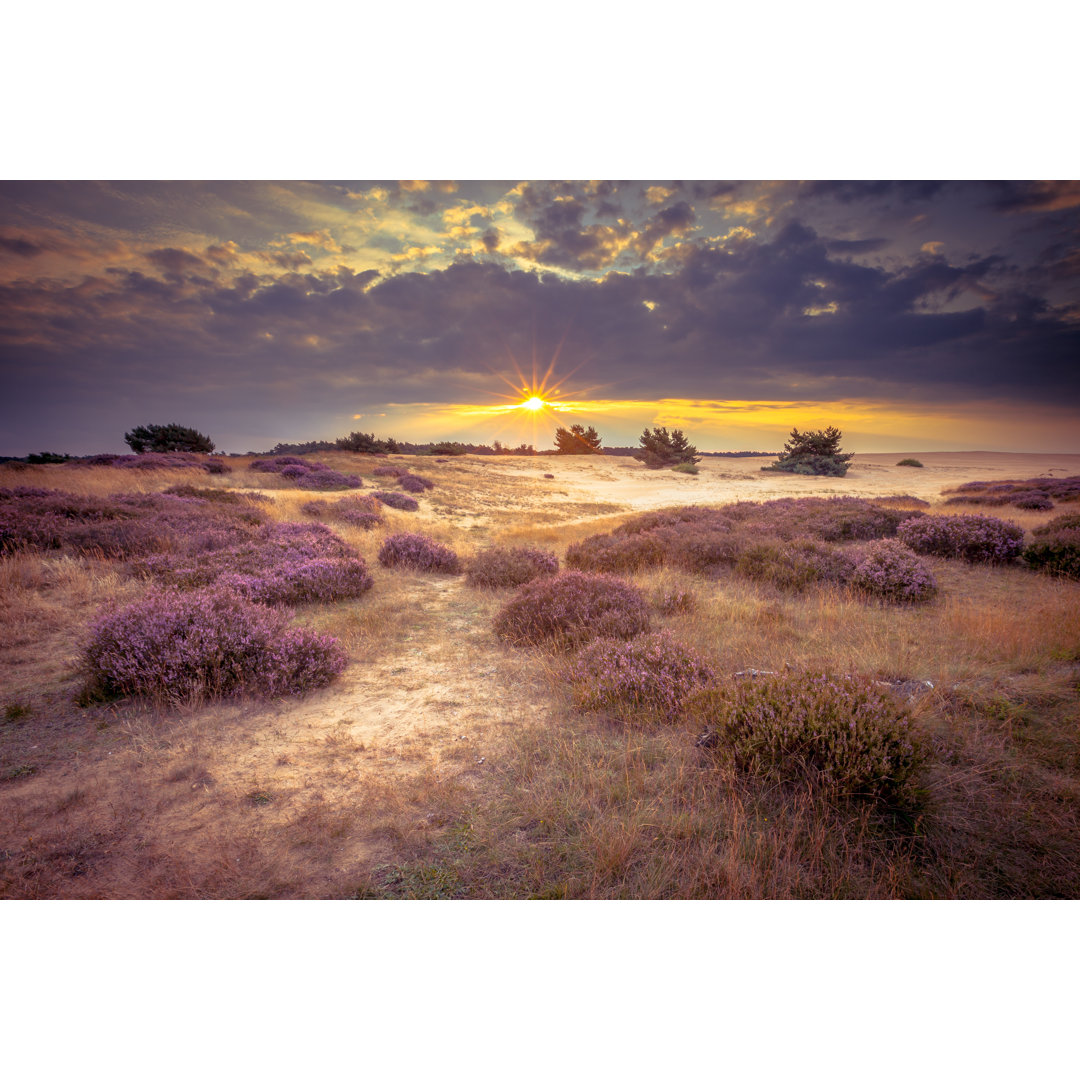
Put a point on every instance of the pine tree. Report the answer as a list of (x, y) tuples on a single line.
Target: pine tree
[(813, 453), (165, 438), (578, 440), (660, 449)]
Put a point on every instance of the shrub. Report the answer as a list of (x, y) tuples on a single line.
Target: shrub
[(396, 500), (606, 553), (510, 567), (123, 526), (888, 569), (701, 550), (284, 564), (796, 564), (842, 733), (812, 453), (161, 438), (415, 484), (686, 467), (390, 470), (1055, 548), (549, 476), (206, 644), (307, 474), (963, 536), (571, 608), (1032, 500), (420, 553), (911, 463), (648, 677)]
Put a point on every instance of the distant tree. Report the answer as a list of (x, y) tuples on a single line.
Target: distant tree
[(812, 453), (661, 449), (449, 449), (360, 442), (46, 457), (578, 440), (164, 438)]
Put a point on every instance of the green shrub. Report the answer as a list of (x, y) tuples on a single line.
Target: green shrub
[(841, 733), (686, 467), (1056, 550), (911, 462)]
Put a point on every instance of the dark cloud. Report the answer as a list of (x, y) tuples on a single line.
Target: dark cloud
[(220, 327), (16, 245), (847, 191), (856, 247)]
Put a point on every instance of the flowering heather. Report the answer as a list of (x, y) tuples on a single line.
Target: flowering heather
[(616, 554), (1055, 547), (1018, 492), (415, 484), (396, 500), (571, 608), (796, 564), (122, 526), (888, 569), (842, 733), (702, 550), (963, 536), (178, 459), (210, 643), (418, 552), (288, 563), (390, 470), (498, 568), (685, 515), (650, 676), (309, 475)]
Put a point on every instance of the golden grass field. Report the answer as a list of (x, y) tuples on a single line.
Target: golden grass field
[(444, 764)]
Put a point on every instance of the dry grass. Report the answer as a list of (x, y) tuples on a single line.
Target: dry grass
[(444, 765)]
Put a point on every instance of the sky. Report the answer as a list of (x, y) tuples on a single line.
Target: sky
[(913, 315)]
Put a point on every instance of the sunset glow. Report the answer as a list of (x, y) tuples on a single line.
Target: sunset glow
[(911, 314)]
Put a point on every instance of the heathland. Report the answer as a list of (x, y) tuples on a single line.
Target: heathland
[(441, 746)]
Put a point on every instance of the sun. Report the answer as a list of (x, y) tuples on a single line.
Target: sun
[(534, 404)]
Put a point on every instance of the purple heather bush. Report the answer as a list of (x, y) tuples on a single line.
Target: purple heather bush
[(841, 733), (415, 484), (418, 552), (123, 526), (174, 460), (890, 570), (607, 553), (390, 470), (396, 500), (572, 608), (309, 475), (1055, 547), (1018, 492), (796, 564), (498, 568), (291, 563), (963, 536), (648, 677), (177, 647)]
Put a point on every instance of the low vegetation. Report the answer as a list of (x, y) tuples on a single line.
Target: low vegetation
[(418, 552), (509, 567), (227, 686), (190, 647), (838, 733)]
